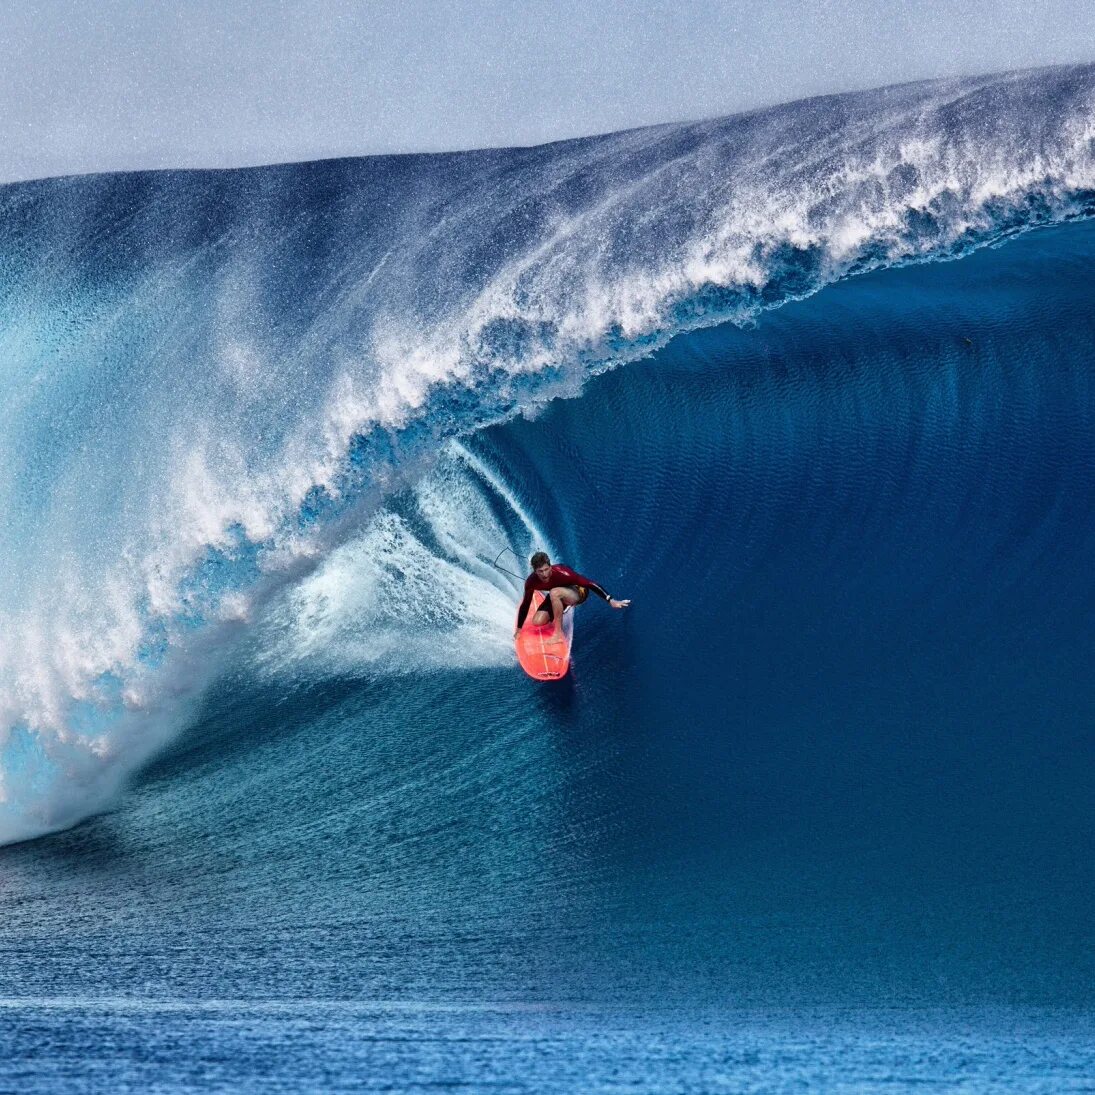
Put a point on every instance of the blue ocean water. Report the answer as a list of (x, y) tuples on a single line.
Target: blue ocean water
[(814, 813)]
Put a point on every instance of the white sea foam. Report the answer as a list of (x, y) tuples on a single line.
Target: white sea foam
[(414, 591)]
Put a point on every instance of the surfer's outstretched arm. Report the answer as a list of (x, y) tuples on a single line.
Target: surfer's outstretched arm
[(574, 578)]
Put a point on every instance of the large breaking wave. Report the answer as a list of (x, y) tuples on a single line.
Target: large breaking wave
[(212, 378)]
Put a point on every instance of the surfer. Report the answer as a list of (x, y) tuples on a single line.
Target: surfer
[(564, 588)]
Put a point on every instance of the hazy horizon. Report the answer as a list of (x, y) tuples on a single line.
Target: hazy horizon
[(122, 86)]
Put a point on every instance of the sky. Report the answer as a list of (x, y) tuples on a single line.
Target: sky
[(98, 85)]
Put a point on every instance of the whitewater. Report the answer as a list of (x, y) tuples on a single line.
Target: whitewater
[(213, 379)]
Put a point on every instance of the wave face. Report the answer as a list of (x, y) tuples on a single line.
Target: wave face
[(835, 757), (214, 380)]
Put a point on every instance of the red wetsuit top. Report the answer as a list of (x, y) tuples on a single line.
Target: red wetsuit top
[(560, 576)]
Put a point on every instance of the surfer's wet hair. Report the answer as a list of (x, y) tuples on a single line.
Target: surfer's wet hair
[(540, 559)]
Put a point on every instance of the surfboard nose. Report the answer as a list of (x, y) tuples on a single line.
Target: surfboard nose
[(542, 653)]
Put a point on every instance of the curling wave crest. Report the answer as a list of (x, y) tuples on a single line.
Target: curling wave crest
[(213, 379)]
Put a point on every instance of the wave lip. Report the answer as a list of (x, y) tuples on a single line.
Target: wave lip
[(214, 375)]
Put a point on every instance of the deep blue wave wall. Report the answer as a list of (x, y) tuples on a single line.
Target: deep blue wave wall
[(213, 378), (837, 751)]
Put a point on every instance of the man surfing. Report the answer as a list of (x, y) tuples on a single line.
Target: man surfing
[(563, 587)]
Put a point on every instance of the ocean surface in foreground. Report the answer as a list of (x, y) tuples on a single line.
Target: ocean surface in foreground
[(238, 1045)]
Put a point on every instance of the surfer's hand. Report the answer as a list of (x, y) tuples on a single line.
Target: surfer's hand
[(618, 604)]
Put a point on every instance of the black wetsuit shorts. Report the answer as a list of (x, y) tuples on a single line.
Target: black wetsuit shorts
[(546, 605)]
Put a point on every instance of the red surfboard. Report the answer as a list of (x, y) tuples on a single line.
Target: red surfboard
[(543, 655)]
